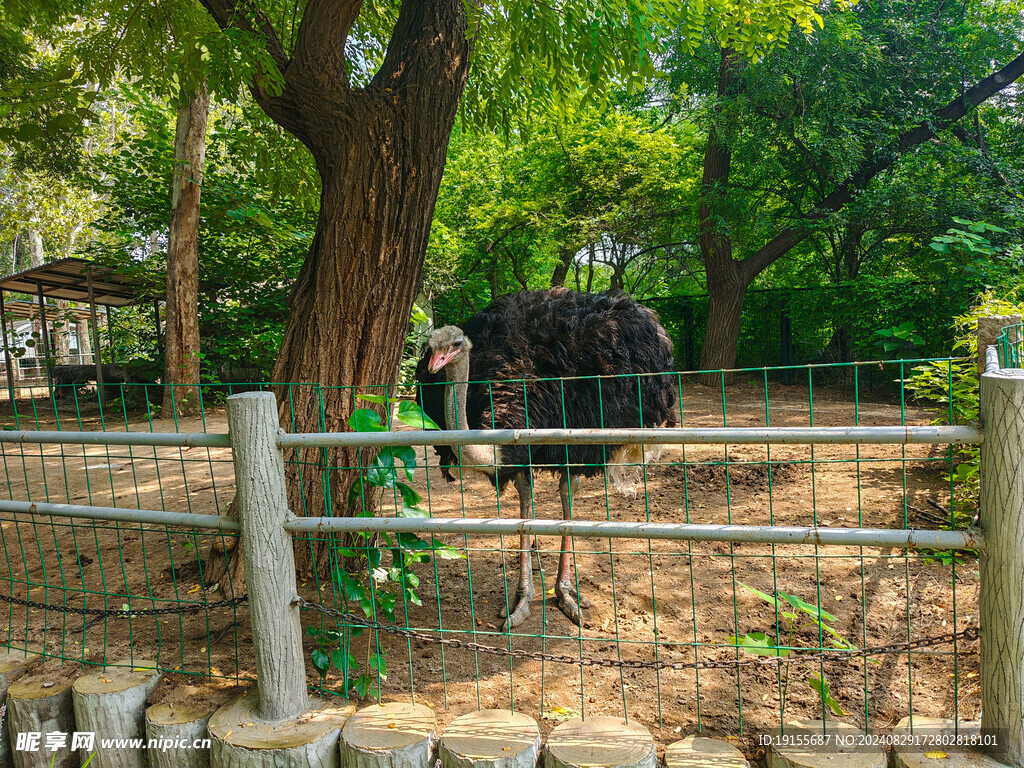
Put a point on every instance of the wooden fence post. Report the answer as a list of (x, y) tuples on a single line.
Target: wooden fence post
[(1001, 507), (267, 555)]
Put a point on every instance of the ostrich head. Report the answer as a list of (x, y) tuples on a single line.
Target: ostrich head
[(446, 344)]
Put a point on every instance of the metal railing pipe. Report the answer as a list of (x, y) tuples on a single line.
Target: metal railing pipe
[(158, 439), (895, 435), (121, 514), (971, 539)]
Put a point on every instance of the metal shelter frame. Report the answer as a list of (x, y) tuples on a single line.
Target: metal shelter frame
[(73, 279)]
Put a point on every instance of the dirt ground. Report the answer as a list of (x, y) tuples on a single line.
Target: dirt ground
[(671, 601)]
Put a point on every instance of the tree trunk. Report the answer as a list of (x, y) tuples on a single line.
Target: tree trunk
[(725, 309), (181, 346), (354, 294), (726, 284), (61, 332), (565, 259), (36, 254)]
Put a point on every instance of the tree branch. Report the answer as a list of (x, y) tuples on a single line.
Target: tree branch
[(243, 14), (428, 47), (319, 53), (879, 161)]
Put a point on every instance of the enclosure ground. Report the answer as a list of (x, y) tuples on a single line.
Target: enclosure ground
[(667, 601)]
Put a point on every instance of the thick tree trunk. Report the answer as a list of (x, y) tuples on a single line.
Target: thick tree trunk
[(349, 310), (181, 345), (726, 283), (725, 309), (562, 269)]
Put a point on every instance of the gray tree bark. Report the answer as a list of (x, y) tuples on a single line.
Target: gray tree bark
[(181, 345)]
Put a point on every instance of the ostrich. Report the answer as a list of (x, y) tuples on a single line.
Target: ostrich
[(537, 359)]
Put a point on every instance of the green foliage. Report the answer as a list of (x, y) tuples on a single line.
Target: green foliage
[(951, 390), (804, 616), (509, 215), (898, 337), (376, 573), (254, 231)]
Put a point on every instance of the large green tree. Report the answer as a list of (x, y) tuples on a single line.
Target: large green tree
[(795, 139), (373, 91)]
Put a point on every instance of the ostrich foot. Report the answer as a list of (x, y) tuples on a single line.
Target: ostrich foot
[(518, 611), (570, 601)]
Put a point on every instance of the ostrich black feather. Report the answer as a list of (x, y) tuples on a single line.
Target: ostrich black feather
[(559, 359)]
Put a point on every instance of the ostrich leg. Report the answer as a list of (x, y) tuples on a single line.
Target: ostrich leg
[(569, 600), (519, 610)]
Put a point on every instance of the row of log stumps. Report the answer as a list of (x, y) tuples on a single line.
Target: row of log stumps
[(404, 736), (112, 703)]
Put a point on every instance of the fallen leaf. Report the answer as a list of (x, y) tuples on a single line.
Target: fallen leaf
[(559, 713), (935, 755)]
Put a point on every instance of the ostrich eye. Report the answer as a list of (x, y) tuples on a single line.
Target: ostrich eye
[(458, 343)]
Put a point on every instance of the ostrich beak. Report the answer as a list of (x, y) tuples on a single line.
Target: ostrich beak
[(441, 358)]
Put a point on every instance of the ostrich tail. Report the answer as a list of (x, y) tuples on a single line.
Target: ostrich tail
[(626, 467)]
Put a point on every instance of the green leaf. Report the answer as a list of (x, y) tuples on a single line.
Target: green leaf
[(767, 598), (382, 472), (321, 661), (444, 552), (362, 685), (357, 490), (407, 455), (365, 420), (371, 398), (353, 590), (409, 495), (378, 663), (820, 684), (758, 644), (411, 414), (413, 512), (813, 610)]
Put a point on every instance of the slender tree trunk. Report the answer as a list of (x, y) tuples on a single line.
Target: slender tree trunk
[(181, 346), (36, 254), (590, 268), (61, 333)]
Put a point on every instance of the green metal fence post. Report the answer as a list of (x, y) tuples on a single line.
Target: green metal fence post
[(1002, 561), (268, 555)]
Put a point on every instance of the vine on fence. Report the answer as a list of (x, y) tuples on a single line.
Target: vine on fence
[(376, 571)]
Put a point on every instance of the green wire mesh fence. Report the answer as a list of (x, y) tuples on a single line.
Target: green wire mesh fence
[(1010, 345), (702, 607)]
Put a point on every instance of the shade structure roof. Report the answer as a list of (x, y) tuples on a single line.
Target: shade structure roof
[(68, 279), (30, 309)]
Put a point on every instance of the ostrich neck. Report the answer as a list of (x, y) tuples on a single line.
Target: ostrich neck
[(457, 373)]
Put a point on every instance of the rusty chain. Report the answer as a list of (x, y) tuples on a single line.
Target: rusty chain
[(971, 633), (131, 612)]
